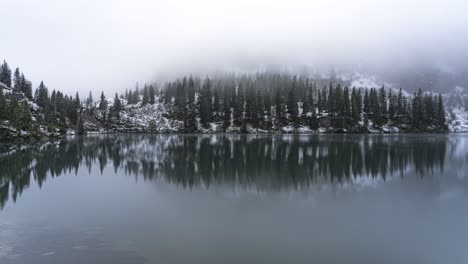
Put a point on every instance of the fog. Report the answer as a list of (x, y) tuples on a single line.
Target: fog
[(111, 44)]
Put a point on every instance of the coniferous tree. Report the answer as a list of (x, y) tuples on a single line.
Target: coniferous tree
[(259, 107), (293, 110), (324, 99), (237, 104), (400, 103), (81, 129), (319, 102), (26, 118), (346, 102), (151, 99), (331, 101), (145, 100), (367, 108), (26, 87), (14, 113), (216, 107), (17, 81), (42, 95), (205, 103), (117, 107), (103, 103), (278, 106), (441, 112), (226, 113), (5, 74), (383, 100), (89, 100)]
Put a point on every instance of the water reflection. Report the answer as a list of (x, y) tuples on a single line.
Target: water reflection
[(267, 163)]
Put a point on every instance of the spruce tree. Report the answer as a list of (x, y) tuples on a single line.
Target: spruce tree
[(226, 113), (103, 102), (400, 103), (441, 111), (26, 118), (151, 99), (89, 100), (278, 106), (117, 107), (42, 95), (216, 102), (206, 103), (367, 108), (145, 100), (14, 113), (5, 74), (324, 99), (331, 101), (26, 87), (17, 81)]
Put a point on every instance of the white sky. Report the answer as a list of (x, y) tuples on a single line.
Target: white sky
[(110, 44)]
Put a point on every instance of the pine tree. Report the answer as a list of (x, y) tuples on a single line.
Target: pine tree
[(89, 100), (206, 103), (145, 100), (26, 118), (216, 102), (346, 102), (367, 108), (293, 110), (130, 98), (17, 81), (278, 106), (383, 100), (117, 107), (151, 95), (237, 104), (80, 125), (191, 90), (42, 95), (324, 99), (103, 102), (5, 74), (400, 103), (26, 87), (14, 113), (441, 112), (226, 113)]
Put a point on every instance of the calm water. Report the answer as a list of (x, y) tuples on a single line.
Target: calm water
[(236, 199)]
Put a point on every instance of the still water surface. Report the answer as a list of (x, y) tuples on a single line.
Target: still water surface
[(236, 199)]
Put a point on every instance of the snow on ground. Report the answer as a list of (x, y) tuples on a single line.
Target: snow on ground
[(457, 120)]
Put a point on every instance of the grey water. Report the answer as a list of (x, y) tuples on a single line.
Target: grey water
[(235, 199)]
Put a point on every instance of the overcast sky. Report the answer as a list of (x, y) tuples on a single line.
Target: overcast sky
[(111, 44)]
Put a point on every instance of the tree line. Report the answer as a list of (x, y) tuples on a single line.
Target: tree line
[(237, 103), (273, 101), (55, 111)]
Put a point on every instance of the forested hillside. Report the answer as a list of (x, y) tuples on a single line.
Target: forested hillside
[(260, 103), (270, 103)]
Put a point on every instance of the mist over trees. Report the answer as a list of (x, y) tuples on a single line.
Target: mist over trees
[(256, 103), (268, 101)]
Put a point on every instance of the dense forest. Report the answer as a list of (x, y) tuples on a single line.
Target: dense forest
[(287, 103), (260, 103)]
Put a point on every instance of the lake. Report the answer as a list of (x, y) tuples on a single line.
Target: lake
[(235, 199)]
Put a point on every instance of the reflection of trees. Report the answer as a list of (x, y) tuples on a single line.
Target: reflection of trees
[(265, 162)]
